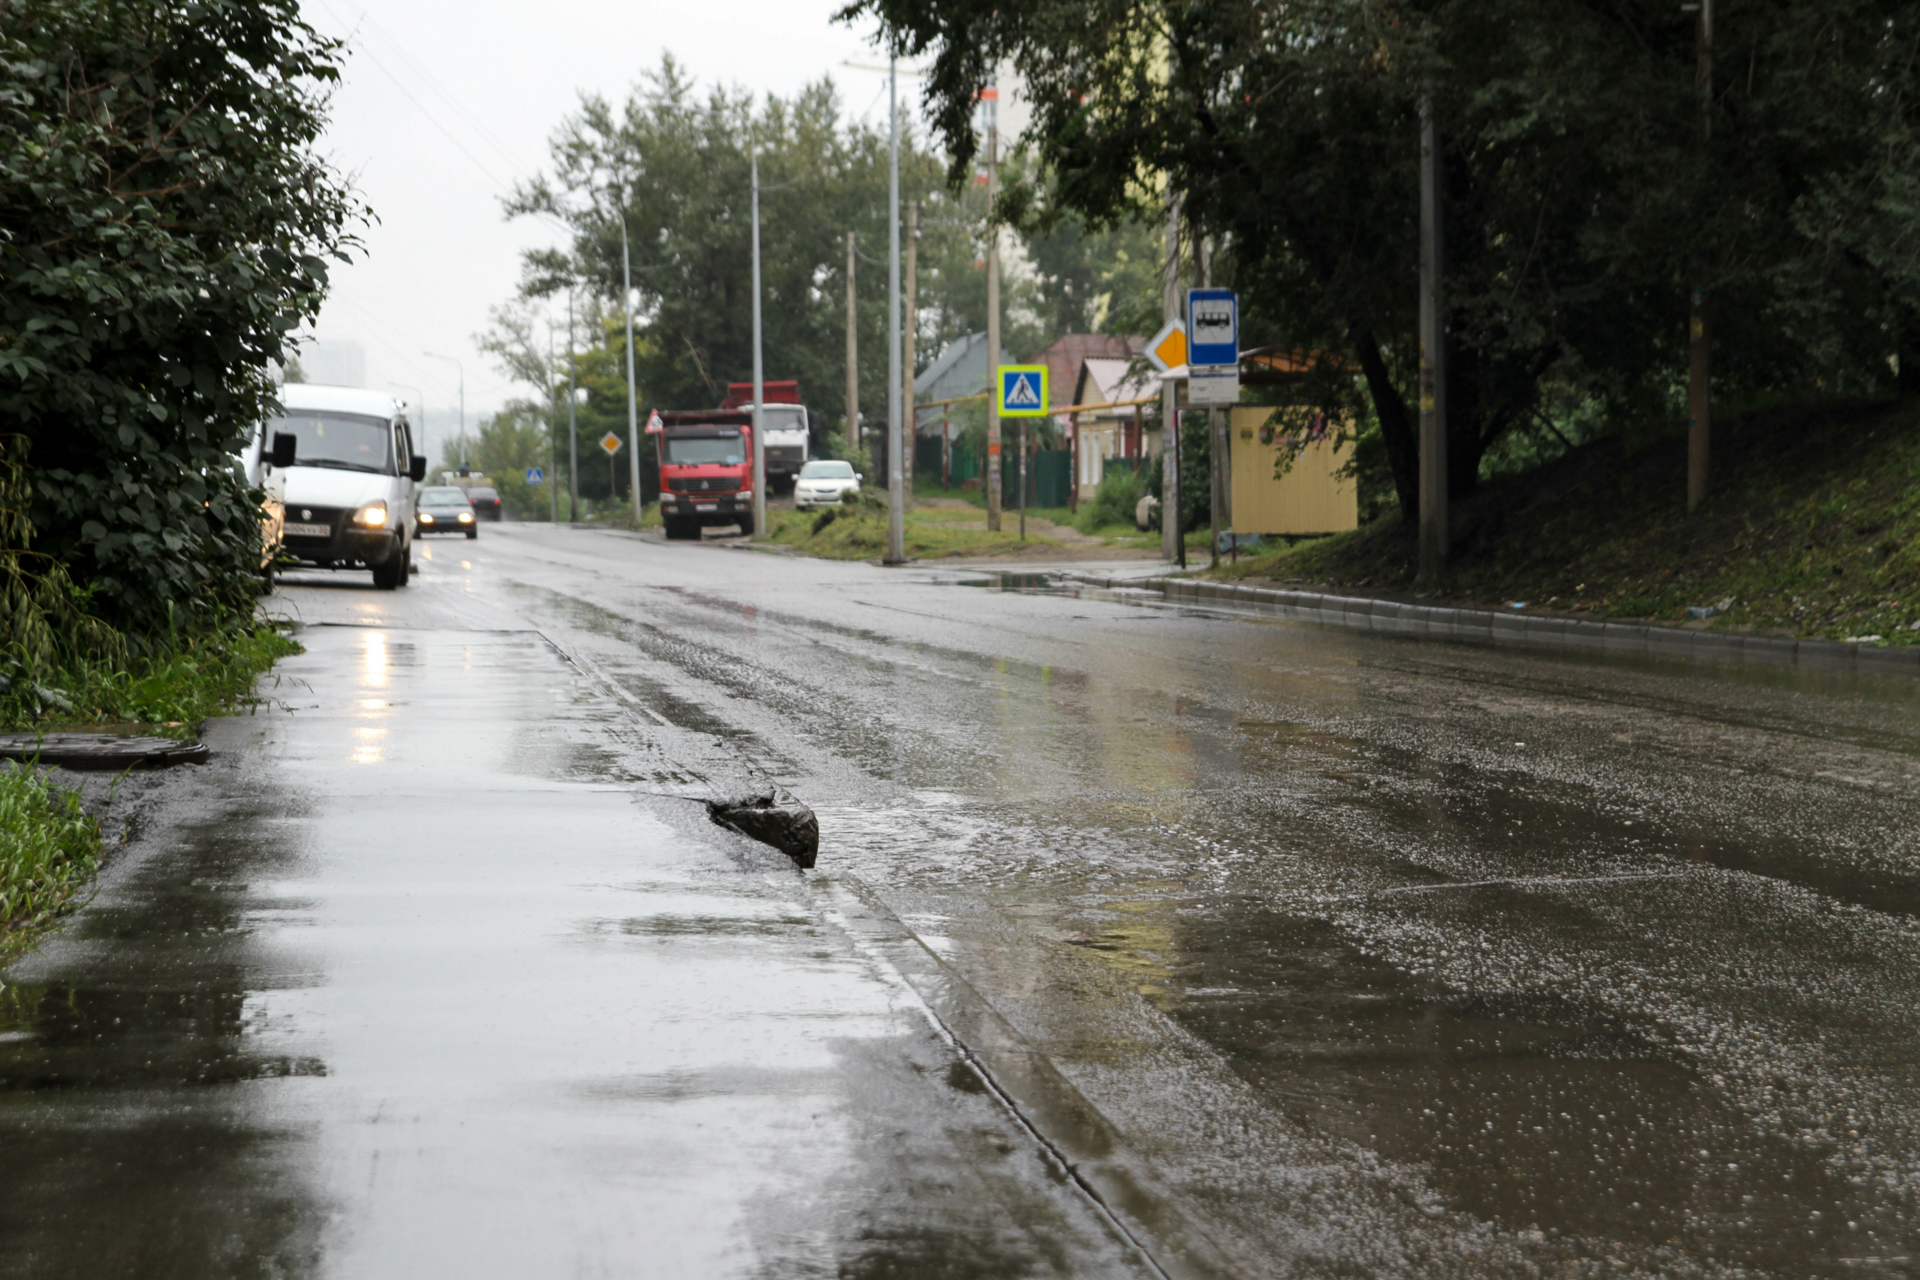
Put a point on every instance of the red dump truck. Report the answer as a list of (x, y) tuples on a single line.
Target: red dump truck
[(706, 470)]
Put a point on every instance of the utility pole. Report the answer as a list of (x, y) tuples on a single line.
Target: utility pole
[(553, 433), (991, 96), (573, 426), (633, 397), (759, 509), (896, 490), (1433, 354), (911, 424), (463, 403), (1173, 545), (853, 358), (1699, 337)]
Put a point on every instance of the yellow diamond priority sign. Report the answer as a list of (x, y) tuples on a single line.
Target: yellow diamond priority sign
[(1168, 350), (1022, 390), (611, 443)]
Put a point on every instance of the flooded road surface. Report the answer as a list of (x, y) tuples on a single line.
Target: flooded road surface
[(1310, 952)]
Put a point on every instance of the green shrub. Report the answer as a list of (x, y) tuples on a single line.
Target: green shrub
[(1113, 502)]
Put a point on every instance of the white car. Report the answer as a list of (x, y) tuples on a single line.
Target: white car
[(822, 483)]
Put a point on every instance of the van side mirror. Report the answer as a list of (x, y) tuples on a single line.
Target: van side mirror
[(285, 444), (417, 469)]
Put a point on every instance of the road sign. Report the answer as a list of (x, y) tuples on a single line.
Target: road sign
[(536, 476), (1023, 391), (654, 426), (611, 443), (1213, 318), (1211, 385), (1168, 350)]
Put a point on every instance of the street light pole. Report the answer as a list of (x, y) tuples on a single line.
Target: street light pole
[(553, 435), (573, 426), (464, 466), (759, 516), (991, 95), (633, 399), (896, 496)]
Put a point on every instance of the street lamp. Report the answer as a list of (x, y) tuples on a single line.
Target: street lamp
[(463, 404)]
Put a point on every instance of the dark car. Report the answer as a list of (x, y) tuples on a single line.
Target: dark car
[(444, 509), (486, 503)]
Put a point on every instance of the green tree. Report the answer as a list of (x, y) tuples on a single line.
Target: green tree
[(163, 227), (1580, 204)]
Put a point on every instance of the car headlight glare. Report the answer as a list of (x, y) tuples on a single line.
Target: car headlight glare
[(466, 517), (425, 518), (373, 515)]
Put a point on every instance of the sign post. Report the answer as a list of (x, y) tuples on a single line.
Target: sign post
[(1021, 392), (1213, 380)]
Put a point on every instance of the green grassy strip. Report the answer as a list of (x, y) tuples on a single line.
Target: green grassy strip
[(49, 849), (858, 531), (168, 693), (1811, 529)]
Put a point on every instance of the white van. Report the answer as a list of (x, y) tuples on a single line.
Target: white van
[(350, 491)]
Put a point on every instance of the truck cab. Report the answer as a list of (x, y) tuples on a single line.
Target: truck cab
[(706, 470)]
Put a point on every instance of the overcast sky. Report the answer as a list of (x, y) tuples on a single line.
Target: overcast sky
[(444, 104)]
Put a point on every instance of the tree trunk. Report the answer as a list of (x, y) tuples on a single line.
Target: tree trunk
[(1396, 425)]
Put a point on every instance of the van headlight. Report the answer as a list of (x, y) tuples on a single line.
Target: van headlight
[(373, 515), (466, 517)]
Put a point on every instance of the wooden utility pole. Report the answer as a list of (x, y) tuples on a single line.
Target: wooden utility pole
[(1699, 337), (991, 95), (1173, 543), (1433, 355), (910, 426), (853, 358)]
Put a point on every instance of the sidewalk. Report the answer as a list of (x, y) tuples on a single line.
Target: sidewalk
[(433, 971)]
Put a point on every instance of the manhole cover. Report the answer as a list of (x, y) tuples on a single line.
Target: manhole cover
[(101, 750)]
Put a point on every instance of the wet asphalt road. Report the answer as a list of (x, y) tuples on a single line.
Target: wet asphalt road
[(1308, 952)]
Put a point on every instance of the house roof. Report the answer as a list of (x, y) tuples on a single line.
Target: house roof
[(961, 369), (1105, 380), (1066, 355)]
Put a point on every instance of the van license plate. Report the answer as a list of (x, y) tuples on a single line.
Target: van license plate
[(706, 506), (298, 530)]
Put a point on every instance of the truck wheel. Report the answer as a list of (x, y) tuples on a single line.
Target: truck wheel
[(390, 575), (746, 524)]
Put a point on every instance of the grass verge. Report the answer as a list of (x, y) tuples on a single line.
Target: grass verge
[(168, 693), (858, 531), (49, 850), (1811, 529)]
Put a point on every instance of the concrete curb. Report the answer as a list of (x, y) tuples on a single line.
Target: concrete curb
[(1490, 626)]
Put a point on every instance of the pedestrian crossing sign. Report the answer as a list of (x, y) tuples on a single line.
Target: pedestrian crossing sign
[(1023, 391)]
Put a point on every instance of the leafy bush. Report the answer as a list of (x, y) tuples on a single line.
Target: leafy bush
[(49, 847), (165, 224), (1113, 502)]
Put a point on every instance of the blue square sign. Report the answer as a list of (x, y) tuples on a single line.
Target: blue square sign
[(1213, 327)]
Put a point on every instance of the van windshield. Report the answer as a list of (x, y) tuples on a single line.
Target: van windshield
[(347, 441), (692, 451)]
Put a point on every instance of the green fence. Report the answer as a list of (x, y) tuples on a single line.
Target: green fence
[(926, 463), (1049, 478)]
